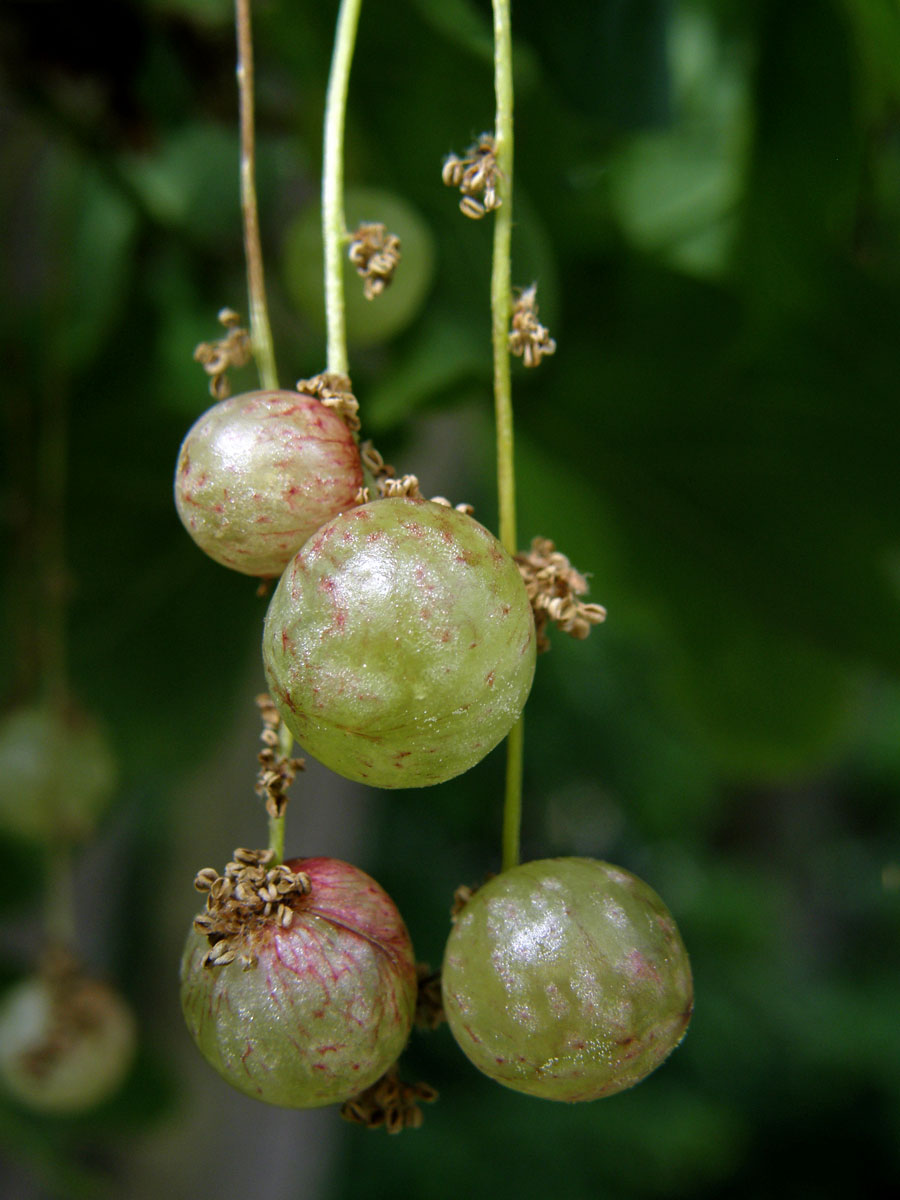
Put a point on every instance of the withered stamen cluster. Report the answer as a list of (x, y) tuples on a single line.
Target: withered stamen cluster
[(403, 485), (233, 350), (390, 1103), (528, 338), (468, 509), (277, 770), (388, 484), (553, 586), (429, 1001), (476, 176), (249, 893), (375, 253), (334, 391)]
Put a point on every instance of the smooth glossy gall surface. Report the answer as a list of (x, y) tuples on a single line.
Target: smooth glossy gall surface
[(258, 473), (567, 979), (399, 645)]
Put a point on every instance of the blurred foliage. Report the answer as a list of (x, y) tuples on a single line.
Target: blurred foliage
[(708, 194)]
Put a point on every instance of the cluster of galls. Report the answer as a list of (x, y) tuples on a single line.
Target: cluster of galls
[(399, 649), (67, 1040)]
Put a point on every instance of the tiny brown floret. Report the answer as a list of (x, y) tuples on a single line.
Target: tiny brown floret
[(334, 391), (375, 253), (389, 1103), (250, 894), (277, 770), (233, 350), (528, 338), (476, 176), (553, 586)]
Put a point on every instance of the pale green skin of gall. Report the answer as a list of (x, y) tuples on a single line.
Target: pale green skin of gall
[(399, 645), (90, 1067), (566, 979), (327, 1008), (57, 774), (258, 473)]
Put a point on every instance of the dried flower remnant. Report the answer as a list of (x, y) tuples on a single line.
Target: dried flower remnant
[(553, 586), (389, 1103), (250, 893), (476, 176), (277, 770), (404, 485), (375, 253), (388, 484), (528, 338), (335, 392), (233, 350)]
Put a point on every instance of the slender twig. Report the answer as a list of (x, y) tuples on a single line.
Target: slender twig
[(260, 330), (276, 838), (50, 501), (334, 233), (51, 556), (501, 307), (501, 291), (59, 896), (277, 822)]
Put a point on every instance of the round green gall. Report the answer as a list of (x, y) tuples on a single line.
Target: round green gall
[(57, 773), (399, 645), (258, 473), (566, 979), (65, 1044), (309, 1009)]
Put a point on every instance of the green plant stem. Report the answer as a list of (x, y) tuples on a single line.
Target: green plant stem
[(334, 232), (50, 553), (501, 290), (276, 824), (512, 806), (501, 306), (59, 902), (260, 330), (276, 838), (50, 538)]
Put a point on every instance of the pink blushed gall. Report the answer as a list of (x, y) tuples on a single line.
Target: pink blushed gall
[(310, 1012), (259, 473)]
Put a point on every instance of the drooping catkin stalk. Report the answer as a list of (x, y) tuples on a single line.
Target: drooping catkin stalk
[(260, 330), (334, 233), (501, 306)]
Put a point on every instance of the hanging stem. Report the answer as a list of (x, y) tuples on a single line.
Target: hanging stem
[(260, 330), (501, 291), (50, 548), (276, 823), (50, 537), (276, 839), (334, 233), (501, 306), (59, 896)]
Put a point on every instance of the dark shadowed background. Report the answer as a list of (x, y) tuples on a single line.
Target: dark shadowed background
[(708, 194)]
